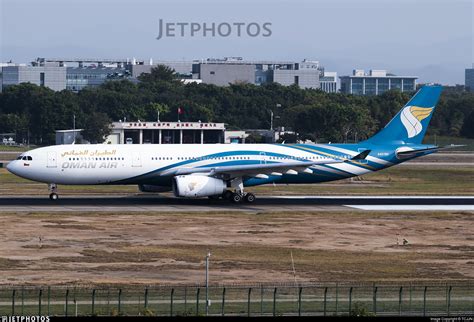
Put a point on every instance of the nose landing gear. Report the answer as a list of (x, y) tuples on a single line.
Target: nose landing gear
[(53, 188)]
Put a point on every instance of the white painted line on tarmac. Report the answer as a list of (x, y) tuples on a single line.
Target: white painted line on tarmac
[(413, 207)]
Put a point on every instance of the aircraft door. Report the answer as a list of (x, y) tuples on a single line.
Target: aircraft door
[(263, 158), (52, 160), (136, 160)]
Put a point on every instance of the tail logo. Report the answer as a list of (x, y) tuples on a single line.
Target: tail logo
[(411, 118)]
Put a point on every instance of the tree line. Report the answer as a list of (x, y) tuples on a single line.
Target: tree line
[(34, 112)]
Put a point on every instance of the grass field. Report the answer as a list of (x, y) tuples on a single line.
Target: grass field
[(16, 148), (399, 180), (119, 248)]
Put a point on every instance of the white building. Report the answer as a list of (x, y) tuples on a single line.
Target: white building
[(166, 133), (328, 82)]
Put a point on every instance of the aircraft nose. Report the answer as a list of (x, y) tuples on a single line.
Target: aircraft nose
[(11, 166)]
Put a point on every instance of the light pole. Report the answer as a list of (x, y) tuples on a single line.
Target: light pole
[(207, 281), (271, 120), (74, 128), (278, 105)]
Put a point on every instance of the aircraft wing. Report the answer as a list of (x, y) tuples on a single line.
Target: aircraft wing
[(262, 170), (254, 170)]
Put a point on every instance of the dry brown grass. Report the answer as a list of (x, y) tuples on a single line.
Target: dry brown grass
[(246, 248)]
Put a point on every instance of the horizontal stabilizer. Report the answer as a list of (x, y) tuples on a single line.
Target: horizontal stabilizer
[(410, 153)]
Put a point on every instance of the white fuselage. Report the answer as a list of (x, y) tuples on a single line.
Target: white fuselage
[(107, 164)]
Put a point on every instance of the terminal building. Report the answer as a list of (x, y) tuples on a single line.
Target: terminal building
[(166, 133), (173, 133), (375, 82), (469, 79), (169, 133)]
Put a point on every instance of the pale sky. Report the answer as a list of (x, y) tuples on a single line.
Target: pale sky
[(432, 39)]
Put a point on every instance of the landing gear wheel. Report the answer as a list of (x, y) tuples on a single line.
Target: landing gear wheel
[(236, 198), (249, 197), (227, 195), (52, 187)]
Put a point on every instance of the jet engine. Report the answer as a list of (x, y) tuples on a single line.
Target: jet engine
[(195, 186), (153, 188)]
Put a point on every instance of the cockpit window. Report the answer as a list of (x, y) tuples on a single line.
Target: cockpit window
[(24, 158), (29, 158), (19, 158)]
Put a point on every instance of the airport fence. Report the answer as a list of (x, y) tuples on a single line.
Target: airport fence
[(330, 299)]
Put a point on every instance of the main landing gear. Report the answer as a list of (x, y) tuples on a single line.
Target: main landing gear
[(53, 188), (235, 197), (238, 195)]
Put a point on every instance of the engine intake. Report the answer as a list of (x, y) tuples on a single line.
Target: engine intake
[(196, 186)]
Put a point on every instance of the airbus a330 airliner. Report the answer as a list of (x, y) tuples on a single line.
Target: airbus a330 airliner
[(223, 170)]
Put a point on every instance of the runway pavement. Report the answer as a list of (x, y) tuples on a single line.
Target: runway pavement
[(145, 202)]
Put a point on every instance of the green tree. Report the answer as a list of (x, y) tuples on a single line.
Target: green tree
[(36, 112), (159, 73), (153, 110), (468, 126), (96, 127)]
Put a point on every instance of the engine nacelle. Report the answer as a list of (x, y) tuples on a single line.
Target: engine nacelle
[(153, 188), (195, 186)]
